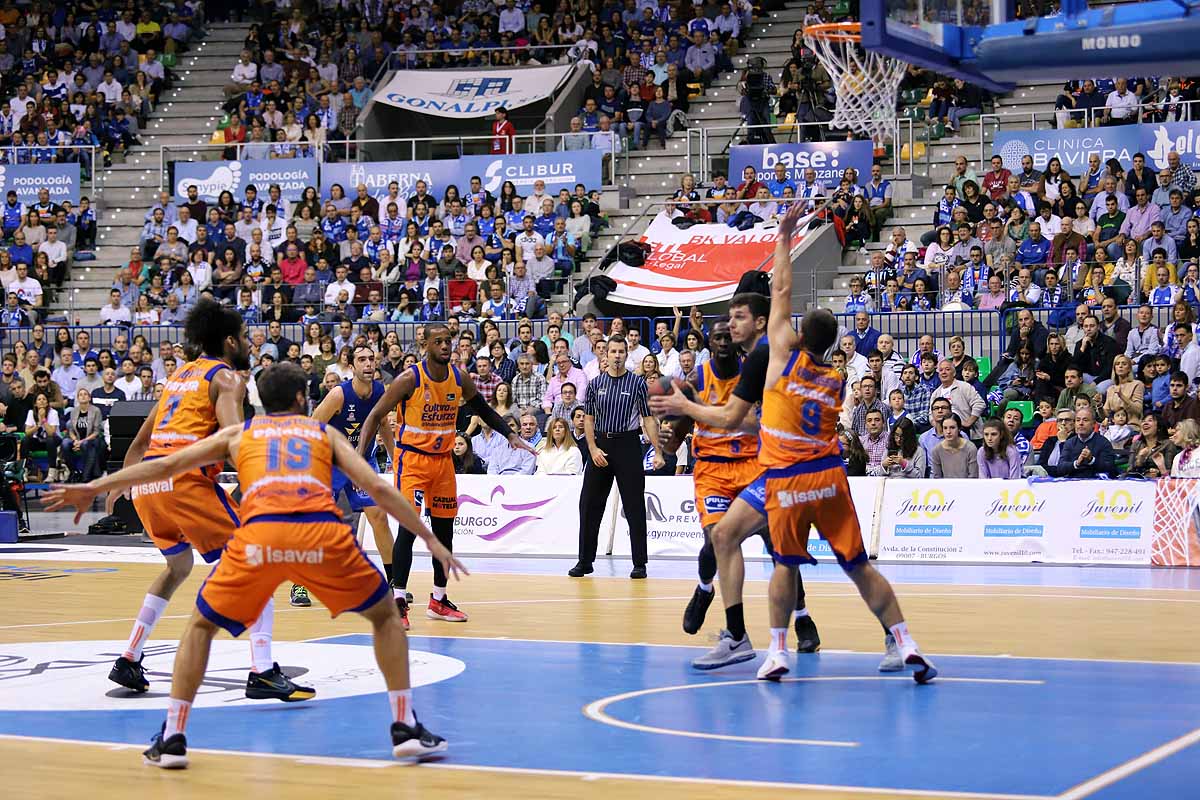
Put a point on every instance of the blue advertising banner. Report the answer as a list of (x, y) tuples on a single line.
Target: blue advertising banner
[(26, 179), (1072, 146), (558, 170), (828, 159), (213, 177), (1160, 138)]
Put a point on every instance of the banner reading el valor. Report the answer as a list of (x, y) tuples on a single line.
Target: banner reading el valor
[(558, 170)]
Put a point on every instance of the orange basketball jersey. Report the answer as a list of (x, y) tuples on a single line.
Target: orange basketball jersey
[(185, 412), (800, 413), (427, 419), (285, 465), (720, 444)]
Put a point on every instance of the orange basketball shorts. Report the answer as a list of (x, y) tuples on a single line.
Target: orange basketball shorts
[(189, 510), (427, 480), (814, 494), (717, 483), (316, 550)]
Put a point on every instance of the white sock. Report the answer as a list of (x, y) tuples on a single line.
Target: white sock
[(177, 717), (152, 609), (799, 612), (402, 707), (778, 640), (439, 593), (398, 591), (906, 643), (705, 587), (260, 638)]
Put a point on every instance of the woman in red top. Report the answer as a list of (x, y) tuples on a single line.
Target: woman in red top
[(235, 134)]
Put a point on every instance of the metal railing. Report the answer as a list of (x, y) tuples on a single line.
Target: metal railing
[(726, 136), (358, 150), (94, 178)]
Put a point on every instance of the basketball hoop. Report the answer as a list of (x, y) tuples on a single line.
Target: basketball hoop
[(866, 82)]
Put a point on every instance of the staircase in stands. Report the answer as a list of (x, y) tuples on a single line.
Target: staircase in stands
[(186, 115)]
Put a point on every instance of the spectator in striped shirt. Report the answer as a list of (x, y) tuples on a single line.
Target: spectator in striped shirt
[(528, 386)]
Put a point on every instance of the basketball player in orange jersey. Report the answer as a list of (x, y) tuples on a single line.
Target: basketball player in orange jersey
[(291, 531), (426, 398), (804, 485), (192, 510), (726, 461)]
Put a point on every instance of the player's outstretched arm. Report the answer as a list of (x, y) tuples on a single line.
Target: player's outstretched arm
[(212, 450), (230, 388), (399, 390), (476, 403), (780, 333), (727, 417), (330, 406), (347, 459)]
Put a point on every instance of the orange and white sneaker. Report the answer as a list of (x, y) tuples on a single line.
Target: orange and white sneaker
[(402, 605), (444, 610)]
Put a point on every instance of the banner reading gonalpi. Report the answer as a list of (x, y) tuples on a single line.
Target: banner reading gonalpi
[(696, 265), (62, 180), (468, 94), (213, 177)]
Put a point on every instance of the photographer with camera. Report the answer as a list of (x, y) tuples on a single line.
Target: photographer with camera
[(757, 89)]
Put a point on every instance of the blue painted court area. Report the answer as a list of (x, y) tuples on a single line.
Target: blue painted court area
[(992, 725)]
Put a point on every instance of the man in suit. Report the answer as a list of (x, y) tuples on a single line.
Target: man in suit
[(1087, 454)]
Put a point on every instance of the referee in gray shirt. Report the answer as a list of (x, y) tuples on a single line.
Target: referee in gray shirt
[(615, 406)]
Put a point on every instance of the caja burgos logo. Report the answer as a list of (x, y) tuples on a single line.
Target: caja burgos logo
[(225, 177)]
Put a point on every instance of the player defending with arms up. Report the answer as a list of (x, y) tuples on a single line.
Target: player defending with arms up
[(727, 387), (805, 483), (192, 510), (426, 398), (346, 408), (292, 530)]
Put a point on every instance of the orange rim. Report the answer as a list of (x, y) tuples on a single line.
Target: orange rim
[(835, 31)]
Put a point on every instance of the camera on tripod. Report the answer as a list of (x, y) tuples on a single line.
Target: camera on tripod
[(756, 79)]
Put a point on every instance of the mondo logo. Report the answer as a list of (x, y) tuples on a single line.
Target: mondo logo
[(930, 504)]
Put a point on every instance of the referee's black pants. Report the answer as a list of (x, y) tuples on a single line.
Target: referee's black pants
[(625, 464)]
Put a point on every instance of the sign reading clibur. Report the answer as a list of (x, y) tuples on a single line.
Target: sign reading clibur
[(469, 94), (558, 170), (827, 159), (62, 180), (213, 177)]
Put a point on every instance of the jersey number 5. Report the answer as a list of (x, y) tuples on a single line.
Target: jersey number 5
[(299, 455), (810, 418)]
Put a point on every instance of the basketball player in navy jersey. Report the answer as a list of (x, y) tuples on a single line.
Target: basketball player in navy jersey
[(346, 408)]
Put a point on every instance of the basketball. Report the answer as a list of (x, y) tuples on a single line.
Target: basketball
[(665, 385)]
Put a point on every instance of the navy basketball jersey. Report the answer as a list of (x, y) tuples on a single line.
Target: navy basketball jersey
[(355, 410)]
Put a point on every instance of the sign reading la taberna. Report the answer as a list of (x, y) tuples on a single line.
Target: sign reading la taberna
[(696, 265), (467, 94)]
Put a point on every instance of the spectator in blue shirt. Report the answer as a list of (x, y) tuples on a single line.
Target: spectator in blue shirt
[(780, 182), (1034, 250)]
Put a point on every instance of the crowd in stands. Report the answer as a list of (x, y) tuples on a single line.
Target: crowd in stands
[(301, 82), (81, 79), (393, 258)]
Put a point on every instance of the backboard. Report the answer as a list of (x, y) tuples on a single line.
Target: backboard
[(981, 41)]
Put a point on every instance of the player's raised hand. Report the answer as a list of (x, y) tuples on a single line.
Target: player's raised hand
[(517, 443), (450, 564), (76, 495), (672, 404), (110, 501), (787, 223)]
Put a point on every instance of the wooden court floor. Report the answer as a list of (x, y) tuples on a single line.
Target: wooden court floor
[(1024, 621)]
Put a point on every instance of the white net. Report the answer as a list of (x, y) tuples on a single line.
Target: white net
[(866, 82), (1176, 523)]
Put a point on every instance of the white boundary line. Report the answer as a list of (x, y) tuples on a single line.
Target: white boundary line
[(586, 776), (596, 709), (1130, 767)]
